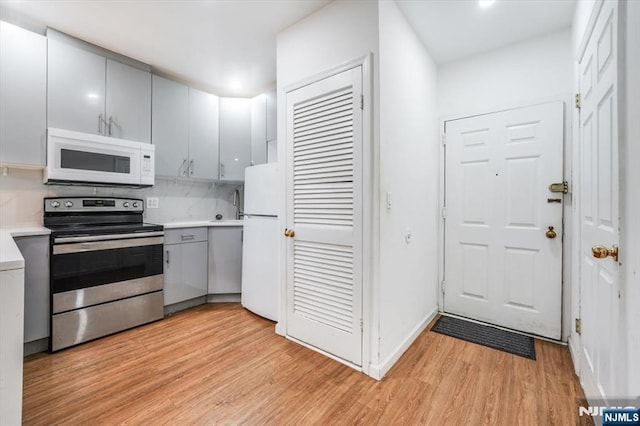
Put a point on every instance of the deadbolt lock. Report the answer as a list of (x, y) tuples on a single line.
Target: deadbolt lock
[(551, 233), (289, 233), (559, 187), (600, 252)]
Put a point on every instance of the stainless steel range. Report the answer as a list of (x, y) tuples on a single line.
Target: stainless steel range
[(106, 268)]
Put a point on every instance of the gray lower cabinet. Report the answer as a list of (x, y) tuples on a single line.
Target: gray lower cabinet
[(185, 267), (35, 251), (23, 96), (225, 260)]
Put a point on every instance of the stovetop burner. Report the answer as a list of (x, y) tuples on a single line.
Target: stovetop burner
[(102, 229)]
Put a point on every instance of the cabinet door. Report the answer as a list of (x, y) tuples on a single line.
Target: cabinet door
[(170, 127), (128, 106), (235, 138), (225, 260), (35, 251), (23, 96), (75, 84), (272, 116), (185, 272), (203, 135), (258, 130)]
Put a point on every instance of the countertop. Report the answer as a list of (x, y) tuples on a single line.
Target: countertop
[(200, 223), (10, 256)]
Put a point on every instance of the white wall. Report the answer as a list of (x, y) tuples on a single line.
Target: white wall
[(534, 71), (340, 32), (528, 72), (22, 193), (409, 169)]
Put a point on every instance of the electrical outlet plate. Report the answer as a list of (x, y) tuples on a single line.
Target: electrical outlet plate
[(153, 203)]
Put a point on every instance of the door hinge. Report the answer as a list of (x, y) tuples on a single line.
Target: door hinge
[(444, 139), (362, 102), (578, 100), (443, 285), (578, 326)]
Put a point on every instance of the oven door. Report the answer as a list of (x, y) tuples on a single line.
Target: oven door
[(104, 284), (74, 157)]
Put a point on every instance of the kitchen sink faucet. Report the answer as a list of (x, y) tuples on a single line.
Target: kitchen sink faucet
[(236, 203)]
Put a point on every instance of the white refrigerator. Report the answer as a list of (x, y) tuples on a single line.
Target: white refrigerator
[(260, 241)]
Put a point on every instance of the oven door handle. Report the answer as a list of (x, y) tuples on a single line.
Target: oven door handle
[(86, 238), (106, 245)]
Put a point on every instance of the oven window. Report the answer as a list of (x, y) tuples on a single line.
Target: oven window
[(72, 271), (83, 160)]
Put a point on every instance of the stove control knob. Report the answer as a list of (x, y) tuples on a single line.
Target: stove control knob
[(68, 204), (55, 204), (125, 204), (135, 204)]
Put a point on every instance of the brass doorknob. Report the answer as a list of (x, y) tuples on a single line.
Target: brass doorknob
[(289, 233), (600, 252), (551, 233)]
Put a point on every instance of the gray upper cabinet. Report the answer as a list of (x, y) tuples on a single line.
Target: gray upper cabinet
[(259, 130), (203, 135), (128, 103), (170, 127), (23, 96), (272, 116), (76, 89), (235, 138), (90, 93)]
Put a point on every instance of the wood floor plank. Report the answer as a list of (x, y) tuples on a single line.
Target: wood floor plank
[(220, 364)]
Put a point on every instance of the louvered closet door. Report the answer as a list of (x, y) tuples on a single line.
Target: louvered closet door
[(324, 208)]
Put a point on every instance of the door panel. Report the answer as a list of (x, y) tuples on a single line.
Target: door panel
[(599, 211), (500, 267), (324, 207)]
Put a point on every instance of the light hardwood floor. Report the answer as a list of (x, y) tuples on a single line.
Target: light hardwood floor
[(220, 364)]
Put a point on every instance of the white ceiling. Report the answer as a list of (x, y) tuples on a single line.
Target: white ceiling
[(223, 46), (454, 29), (228, 47)]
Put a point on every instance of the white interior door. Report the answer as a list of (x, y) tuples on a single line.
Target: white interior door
[(598, 201), (324, 210), (500, 266)]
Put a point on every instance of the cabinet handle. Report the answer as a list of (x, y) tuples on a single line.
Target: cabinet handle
[(100, 124), (183, 169), (110, 124), (187, 237), (191, 168), (221, 169), (167, 261)]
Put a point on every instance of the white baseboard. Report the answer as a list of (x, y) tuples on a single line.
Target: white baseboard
[(380, 370)]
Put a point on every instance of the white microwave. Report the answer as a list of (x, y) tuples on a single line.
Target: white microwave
[(81, 158)]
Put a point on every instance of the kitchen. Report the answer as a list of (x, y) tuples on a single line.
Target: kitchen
[(202, 201)]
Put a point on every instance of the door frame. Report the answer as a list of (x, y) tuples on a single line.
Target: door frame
[(369, 213), (567, 239)]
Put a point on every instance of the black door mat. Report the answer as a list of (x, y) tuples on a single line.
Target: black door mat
[(485, 335)]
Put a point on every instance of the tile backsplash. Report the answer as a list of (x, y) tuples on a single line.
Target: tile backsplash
[(22, 193)]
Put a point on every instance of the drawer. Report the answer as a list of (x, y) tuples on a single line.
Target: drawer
[(185, 235)]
